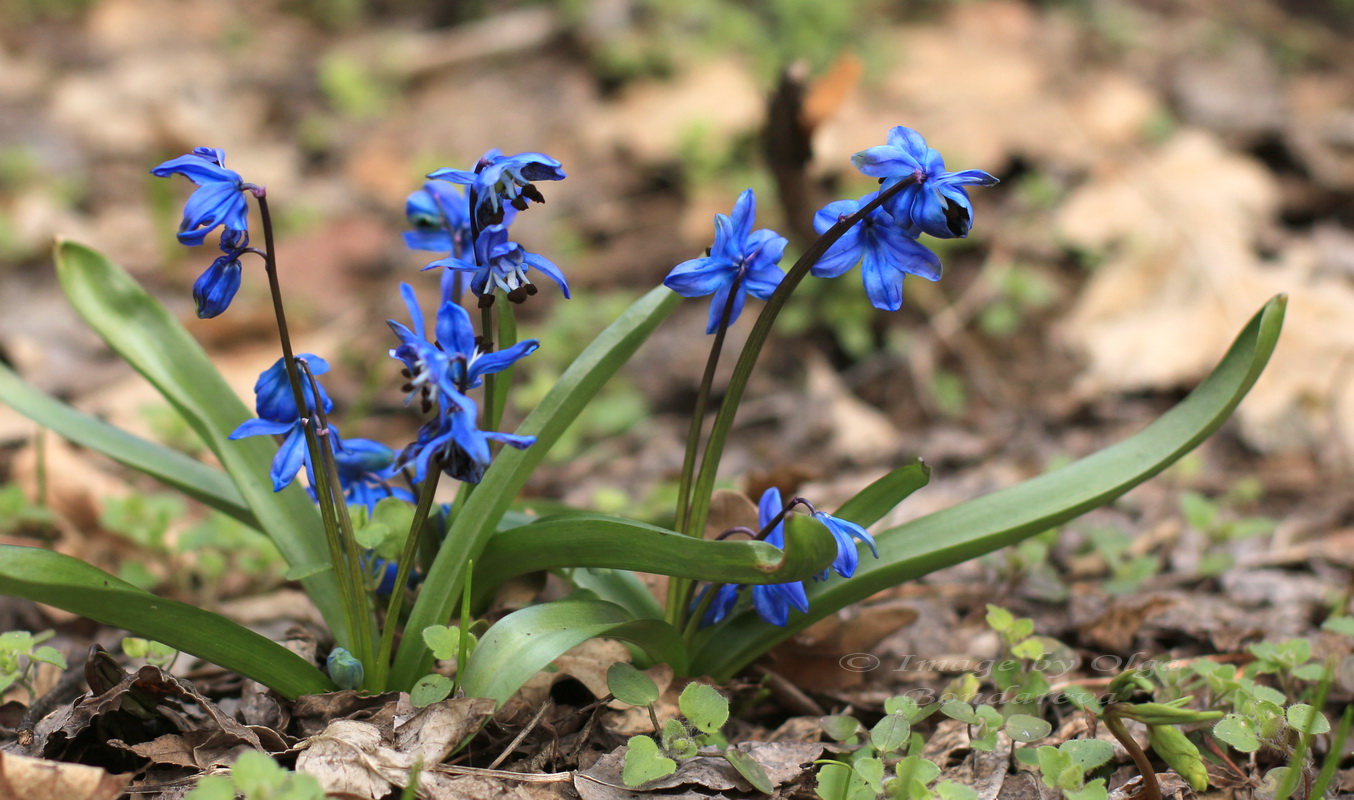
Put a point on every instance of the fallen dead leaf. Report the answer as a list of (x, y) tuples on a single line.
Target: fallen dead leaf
[(40, 779), (783, 761)]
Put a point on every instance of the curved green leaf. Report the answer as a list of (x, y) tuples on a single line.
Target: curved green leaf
[(147, 337), (600, 540), (524, 642), (197, 480), (980, 526), (879, 498), (71, 584), (619, 586), (476, 520)]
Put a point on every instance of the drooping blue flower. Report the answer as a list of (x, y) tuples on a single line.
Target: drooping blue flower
[(276, 407), (219, 200), (772, 601), (216, 287), (505, 263), (741, 262), (885, 250), (453, 442), (440, 216), (497, 180), (937, 203), (846, 533), (365, 468)]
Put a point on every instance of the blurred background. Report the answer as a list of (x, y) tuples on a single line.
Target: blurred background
[(1166, 168)]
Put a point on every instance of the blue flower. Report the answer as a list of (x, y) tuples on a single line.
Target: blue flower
[(440, 216), (846, 533), (886, 250), (772, 601), (506, 263), (741, 262), (219, 199), (452, 442), (215, 288), (344, 668), (276, 407), (498, 179), (937, 203), (365, 468)]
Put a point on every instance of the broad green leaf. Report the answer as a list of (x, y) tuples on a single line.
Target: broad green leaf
[(890, 733), (1239, 732), (631, 686), (1025, 728), (524, 642), (751, 771), (75, 586), (599, 540), (476, 520), (704, 707), (1088, 753), (950, 790), (443, 640), (429, 689), (839, 728), (148, 338), (1306, 719), (618, 586), (196, 480), (957, 534), (643, 763), (879, 498)]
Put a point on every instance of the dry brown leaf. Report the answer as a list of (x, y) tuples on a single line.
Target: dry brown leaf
[(782, 761), (40, 779)]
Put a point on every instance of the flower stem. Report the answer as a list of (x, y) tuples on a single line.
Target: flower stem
[(329, 488), (742, 371), (490, 381), (1151, 790), (411, 544), (680, 588), (347, 589)]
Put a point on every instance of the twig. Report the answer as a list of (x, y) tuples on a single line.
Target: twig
[(518, 739)]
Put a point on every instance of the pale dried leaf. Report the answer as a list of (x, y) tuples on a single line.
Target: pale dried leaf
[(40, 779)]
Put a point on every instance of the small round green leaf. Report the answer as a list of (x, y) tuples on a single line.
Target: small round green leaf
[(1307, 719), (643, 763), (631, 686), (890, 733), (432, 688), (443, 640), (839, 728), (1239, 732), (958, 709), (704, 707), (1025, 728)]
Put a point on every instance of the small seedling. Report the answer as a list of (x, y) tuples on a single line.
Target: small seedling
[(20, 651), (258, 777)]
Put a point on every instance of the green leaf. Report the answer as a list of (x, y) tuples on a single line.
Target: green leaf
[(1239, 732), (599, 540), (478, 518), (49, 655), (879, 498), (839, 728), (524, 642), (837, 781), (1306, 719), (751, 771), (704, 707), (1088, 753), (631, 686), (619, 586), (75, 586), (999, 619), (643, 763), (1025, 728), (890, 733), (1052, 764), (963, 532), (1341, 625), (190, 476), (431, 688), (950, 790), (959, 710), (148, 338), (443, 640)]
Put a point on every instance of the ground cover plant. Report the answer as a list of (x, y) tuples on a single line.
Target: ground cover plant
[(411, 586)]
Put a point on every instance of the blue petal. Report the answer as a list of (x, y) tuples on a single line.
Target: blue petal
[(720, 606), (260, 427), (455, 332), (970, 177), (290, 456), (846, 532), (717, 306), (198, 170), (744, 212), (883, 281), (908, 140), (907, 254), (415, 311), (461, 176), (551, 271), (435, 240), (770, 605), (884, 161), (699, 276), (499, 360), (513, 440)]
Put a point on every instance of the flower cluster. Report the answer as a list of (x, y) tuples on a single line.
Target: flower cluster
[(219, 202), (773, 601)]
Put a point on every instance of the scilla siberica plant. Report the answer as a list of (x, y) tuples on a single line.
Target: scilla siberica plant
[(366, 537)]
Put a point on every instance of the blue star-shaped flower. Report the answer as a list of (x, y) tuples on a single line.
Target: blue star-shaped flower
[(365, 468), (772, 601), (846, 533), (937, 203), (741, 262), (453, 441), (219, 200), (276, 407), (885, 250), (498, 179), (505, 263), (440, 216)]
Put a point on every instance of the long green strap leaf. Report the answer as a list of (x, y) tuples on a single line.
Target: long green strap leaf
[(619, 586), (879, 498), (524, 642), (600, 540), (71, 584), (980, 526), (146, 336), (197, 480), (476, 521)]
